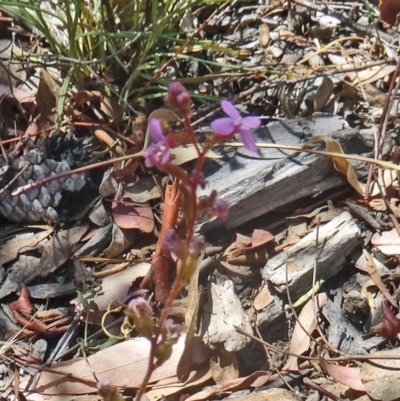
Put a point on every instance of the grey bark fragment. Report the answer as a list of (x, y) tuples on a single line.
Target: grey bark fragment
[(255, 184), (336, 241), (222, 314)]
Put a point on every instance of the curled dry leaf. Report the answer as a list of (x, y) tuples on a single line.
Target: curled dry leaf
[(252, 250), (121, 241), (390, 326), (341, 165), (323, 94), (305, 326), (104, 137)]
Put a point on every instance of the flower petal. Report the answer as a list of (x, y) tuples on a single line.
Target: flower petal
[(248, 140), (230, 110), (223, 126), (150, 155), (251, 122), (156, 131), (166, 155)]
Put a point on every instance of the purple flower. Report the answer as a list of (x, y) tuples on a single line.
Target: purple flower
[(220, 208), (140, 306), (196, 244), (159, 151), (170, 240), (235, 124), (173, 329)]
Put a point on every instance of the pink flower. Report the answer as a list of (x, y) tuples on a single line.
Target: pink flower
[(235, 124), (158, 152), (196, 244), (220, 208), (170, 240)]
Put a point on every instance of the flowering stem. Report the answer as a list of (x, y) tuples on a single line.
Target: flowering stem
[(176, 287)]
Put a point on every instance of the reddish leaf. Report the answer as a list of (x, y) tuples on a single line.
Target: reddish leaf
[(388, 242), (128, 215)]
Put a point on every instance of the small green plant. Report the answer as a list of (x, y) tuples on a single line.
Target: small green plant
[(119, 41)]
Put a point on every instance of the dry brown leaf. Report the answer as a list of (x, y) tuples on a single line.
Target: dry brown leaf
[(20, 95), (323, 94), (254, 380), (372, 74), (165, 388), (263, 298), (187, 153), (389, 11), (47, 98), (131, 216), (111, 107), (372, 271), (388, 242), (264, 35), (343, 374), (249, 251), (261, 238), (224, 366), (342, 165), (122, 240), (83, 96), (124, 364), (59, 249), (381, 377), (22, 243), (389, 177), (117, 286), (300, 342)]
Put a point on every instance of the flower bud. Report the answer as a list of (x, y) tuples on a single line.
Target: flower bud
[(169, 336), (107, 391), (178, 98), (220, 208), (175, 244), (141, 311)]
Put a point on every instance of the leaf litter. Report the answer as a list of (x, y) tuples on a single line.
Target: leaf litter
[(324, 70)]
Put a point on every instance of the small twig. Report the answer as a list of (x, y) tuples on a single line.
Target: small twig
[(80, 170), (320, 389), (15, 178), (272, 363), (342, 358)]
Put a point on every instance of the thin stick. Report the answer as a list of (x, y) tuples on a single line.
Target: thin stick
[(80, 170)]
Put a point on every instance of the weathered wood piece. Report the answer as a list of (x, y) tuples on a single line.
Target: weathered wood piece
[(336, 241), (257, 184), (222, 313)]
